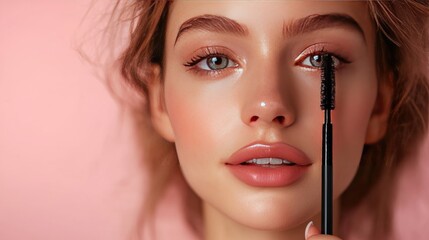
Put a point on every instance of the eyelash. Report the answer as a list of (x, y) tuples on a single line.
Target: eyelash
[(321, 51), (207, 53)]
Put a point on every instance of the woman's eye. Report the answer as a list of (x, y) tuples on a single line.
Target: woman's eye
[(315, 61), (215, 63)]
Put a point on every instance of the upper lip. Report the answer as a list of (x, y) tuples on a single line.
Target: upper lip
[(269, 150)]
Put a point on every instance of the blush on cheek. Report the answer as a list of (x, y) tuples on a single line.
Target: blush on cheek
[(350, 121), (358, 115), (194, 123), (184, 120)]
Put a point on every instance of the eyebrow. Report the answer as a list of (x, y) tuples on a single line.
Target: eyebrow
[(212, 23), (320, 21), (220, 24)]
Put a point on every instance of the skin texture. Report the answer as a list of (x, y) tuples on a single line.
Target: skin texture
[(210, 115)]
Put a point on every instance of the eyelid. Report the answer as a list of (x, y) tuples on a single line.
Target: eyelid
[(320, 48), (207, 51), (204, 52)]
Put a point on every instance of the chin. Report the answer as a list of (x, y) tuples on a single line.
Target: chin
[(268, 210), (276, 218)]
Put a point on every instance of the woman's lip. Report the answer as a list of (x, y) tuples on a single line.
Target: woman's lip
[(264, 150), (268, 175)]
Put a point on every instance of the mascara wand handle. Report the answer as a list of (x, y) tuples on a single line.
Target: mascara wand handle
[(327, 209)]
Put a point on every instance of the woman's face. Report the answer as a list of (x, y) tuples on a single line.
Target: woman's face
[(241, 81)]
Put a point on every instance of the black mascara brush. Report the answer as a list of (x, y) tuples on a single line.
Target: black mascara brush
[(327, 103)]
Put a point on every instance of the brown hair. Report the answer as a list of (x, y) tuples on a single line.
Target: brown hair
[(401, 52)]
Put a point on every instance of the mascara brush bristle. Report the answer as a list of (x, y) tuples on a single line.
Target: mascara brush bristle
[(327, 90)]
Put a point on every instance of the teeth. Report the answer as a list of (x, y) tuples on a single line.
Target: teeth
[(276, 161), (251, 161), (287, 162), (262, 161), (271, 161)]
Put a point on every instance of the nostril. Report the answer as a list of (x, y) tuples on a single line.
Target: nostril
[(279, 119), (254, 119)]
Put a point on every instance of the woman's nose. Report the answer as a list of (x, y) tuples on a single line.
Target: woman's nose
[(268, 94), (271, 112)]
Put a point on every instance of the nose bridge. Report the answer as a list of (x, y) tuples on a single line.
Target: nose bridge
[(266, 101)]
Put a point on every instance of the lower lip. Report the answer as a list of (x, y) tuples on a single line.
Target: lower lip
[(267, 176)]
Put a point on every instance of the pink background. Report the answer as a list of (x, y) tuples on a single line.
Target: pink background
[(68, 163)]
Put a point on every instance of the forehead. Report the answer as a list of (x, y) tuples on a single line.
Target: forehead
[(265, 17)]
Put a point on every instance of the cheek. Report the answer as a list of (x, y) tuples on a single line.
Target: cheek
[(355, 102), (201, 119), (199, 116)]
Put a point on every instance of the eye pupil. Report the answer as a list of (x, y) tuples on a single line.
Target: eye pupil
[(217, 62), (316, 60)]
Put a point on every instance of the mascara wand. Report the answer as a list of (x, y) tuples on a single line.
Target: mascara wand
[(327, 103)]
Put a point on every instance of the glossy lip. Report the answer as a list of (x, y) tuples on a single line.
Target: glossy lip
[(264, 175), (263, 150)]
